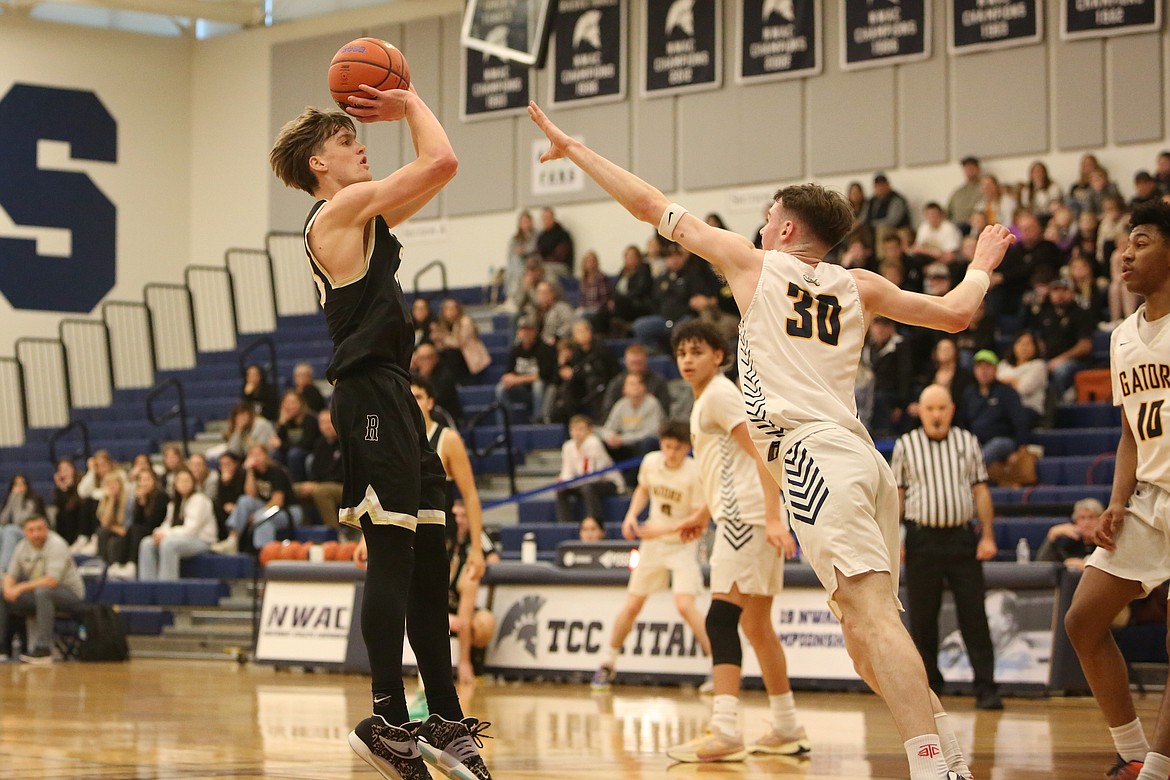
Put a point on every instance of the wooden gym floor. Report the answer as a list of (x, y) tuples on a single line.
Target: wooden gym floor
[(155, 720)]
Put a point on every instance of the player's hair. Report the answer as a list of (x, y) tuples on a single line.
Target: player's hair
[(679, 430), (1156, 214), (299, 140), (697, 330), (424, 384), (825, 212)]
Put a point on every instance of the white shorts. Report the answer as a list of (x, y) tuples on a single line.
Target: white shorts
[(842, 504), (662, 564), (1143, 543), (741, 556)]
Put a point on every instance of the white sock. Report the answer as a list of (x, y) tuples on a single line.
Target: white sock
[(926, 758), (783, 712), (1130, 741), (1157, 767), (950, 745), (610, 657), (725, 714)]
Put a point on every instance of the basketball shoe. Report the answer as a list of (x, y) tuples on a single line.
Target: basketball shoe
[(390, 750), (712, 745), (452, 747), (1125, 770), (780, 744)]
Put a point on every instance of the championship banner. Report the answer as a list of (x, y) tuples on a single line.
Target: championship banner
[(976, 25), (492, 86), (682, 42), (884, 32), (1097, 18), (588, 58), (778, 39)]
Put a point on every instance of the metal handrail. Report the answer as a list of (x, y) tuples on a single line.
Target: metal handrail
[(60, 433), (504, 438), (442, 275), (246, 352), (179, 409)]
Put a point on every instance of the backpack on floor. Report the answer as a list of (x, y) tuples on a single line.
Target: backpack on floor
[(102, 634)]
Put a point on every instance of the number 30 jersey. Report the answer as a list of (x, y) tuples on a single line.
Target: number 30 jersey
[(800, 342), (1141, 385)]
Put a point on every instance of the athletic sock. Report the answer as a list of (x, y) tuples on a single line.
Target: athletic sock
[(926, 758), (1157, 767), (610, 657), (783, 707), (1130, 741), (725, 714), (950, 745)]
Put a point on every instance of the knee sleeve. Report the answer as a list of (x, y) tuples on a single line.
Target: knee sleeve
[(723, 632)]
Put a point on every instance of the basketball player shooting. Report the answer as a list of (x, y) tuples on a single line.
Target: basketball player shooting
[(803, 325)]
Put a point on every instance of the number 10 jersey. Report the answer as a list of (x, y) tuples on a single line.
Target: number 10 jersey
[(1141, 386)]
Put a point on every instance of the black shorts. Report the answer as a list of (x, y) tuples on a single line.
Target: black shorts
[(391, 472)]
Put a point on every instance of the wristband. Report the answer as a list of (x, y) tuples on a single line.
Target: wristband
[(670, 219), (979, 277)]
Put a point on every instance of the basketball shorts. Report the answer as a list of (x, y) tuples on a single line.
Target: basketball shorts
[(842, 504), (1143, 543), (741, 557), (663, 564), (391, 472)]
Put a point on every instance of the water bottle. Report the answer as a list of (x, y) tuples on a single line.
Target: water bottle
[(528, 548), (1023, 551)]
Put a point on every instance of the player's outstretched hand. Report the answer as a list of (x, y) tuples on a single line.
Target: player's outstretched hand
[(989, 250), (379, 105), (1108, 526), (559, 142), (360, 554)]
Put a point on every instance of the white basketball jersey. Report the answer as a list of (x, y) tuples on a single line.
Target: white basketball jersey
[(674, 493), (800, 343), (1141, 385), (731, 483)]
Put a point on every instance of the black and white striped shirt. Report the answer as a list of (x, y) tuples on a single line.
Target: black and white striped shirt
[(938, 476)]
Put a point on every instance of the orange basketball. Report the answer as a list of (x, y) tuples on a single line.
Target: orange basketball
[(271, 552), (369, 61), (345, 551), (330, 551)]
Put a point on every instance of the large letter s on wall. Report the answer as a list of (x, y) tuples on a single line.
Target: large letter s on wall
[(58, 199)]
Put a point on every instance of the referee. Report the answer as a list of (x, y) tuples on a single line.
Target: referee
[(942, 483)]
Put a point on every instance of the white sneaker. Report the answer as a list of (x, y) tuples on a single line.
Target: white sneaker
[(78, 543), (90, 546), (228, 546), (130, 570), (114, 571)]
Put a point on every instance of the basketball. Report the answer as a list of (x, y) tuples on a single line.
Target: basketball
[(270, 552), (366, 61)]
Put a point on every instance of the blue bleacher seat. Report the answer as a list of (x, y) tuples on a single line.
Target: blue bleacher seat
[(213, 566)]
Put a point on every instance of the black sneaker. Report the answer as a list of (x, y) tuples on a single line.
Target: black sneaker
[(1125, 770), (391, 750), (452, 747), (38, 657), (988, 700)]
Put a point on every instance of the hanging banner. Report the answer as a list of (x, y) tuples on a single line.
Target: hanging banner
[(682, 41), (1097, 18), (884, 32), (588, 57), (778, 39), (976, 25), (492, 86)]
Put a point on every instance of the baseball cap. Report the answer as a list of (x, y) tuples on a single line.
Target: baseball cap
[(987, 356), (526, 322)]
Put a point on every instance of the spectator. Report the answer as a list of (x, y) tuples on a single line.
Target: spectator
[(206, 480), (422, 319), (306, 386), (995, 204), (1085, 168), (581, 455), (473, 625), (21, 502), (425, 363), (858, 252), (596, 293), (66, 506), (992, 411), (41, 580), (325, 475), (1071, 543), (978, 335), (1065, 332), (111, 515), (1100, 187), (937, 279), (631, 429), (140, 462), (557, 397), (1146, 190), (637, 361), (1113, 220), (188, 530), (260, 513), (966, 198), (590, 529), (632, 292), (246, 429), (855, 194), (1031, 260), (1060, 229), (937, 236), (296, 434), (229, 490), (1040, 194), (894, 251), (172, 461), (886, 208), (521, 246), (946, 372), (554, 244), (890, 362), (673, 290), (259, 393), (1089, 292), (98, 466), (583, 380), (144, 513), (458, 342), (532, 367), (1087, 233), (553, 315), (1162, 171), (1122, 302), (1026, 372)]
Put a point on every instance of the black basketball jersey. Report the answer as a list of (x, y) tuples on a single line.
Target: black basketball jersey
[(368, 319)]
